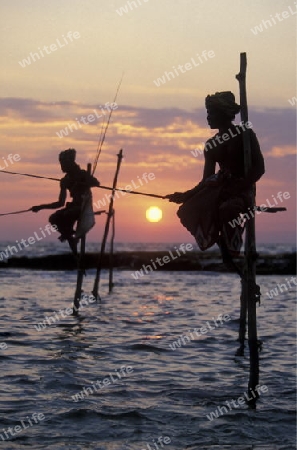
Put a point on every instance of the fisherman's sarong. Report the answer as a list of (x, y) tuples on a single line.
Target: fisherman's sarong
[(65, 219), (86, 219), (210, 213)]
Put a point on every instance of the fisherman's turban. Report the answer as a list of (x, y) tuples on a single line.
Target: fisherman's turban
[(67, 155), (222, 102)]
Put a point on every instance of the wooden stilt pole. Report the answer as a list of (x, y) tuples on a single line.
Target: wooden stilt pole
[(81, 268), (250, 291), (242, 321), (104, 239), (110, 284), (80, 275)]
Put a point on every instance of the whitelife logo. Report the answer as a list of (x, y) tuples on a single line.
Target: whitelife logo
[(241, 401), (129, 6), (263, 207), (282, 287), (221, 138), (47, 50), (268, 23), (86, 120), (36, 417), (145, 178), (90, 390), (184, 68), (31, 241), (9, 160), (166, 259), (293, 101)]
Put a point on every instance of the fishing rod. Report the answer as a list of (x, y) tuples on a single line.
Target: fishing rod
[(29, 175), (16, 212), (100, 187), (133, 192), (102, 136)]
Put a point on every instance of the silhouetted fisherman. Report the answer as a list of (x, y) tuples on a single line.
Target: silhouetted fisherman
[(78, 182), (220, 197)]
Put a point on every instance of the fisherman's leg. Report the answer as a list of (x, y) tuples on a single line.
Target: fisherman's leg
[(231, 224), (65, 219), (58, 219), (71, 217)]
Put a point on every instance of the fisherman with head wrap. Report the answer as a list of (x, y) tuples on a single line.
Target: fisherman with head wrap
[(209, 209), (78, 182)]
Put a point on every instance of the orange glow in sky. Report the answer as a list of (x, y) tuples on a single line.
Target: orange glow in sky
[(62, 62)]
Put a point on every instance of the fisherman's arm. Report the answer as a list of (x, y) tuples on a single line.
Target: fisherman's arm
[(209, 169), (88, 181), (93, 181), (55, 205), (257, 168)]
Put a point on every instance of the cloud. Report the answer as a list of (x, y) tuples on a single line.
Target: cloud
[(280, 152), (274, 127), (161, 138), (154, 140)]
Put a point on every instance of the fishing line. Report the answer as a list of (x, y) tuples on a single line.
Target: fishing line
[(106, 128)]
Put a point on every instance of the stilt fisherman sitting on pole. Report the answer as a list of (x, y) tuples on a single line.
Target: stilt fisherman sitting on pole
[(209, 209), (78, 182)]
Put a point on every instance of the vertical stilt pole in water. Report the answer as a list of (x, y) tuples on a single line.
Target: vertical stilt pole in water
[(80, 269), (104, 239), (110, 283), (80, 275), (242, 320), (250, 291)]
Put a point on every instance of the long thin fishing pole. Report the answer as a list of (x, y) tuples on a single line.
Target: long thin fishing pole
[(99, 142), (29, 175), (16, 212), (100, 187), (106, 128), (133, 192)]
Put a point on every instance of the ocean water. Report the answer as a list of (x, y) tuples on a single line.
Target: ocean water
[(44, 247), (111, 379)]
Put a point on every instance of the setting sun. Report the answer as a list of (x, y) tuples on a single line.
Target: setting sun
[(154, 214)]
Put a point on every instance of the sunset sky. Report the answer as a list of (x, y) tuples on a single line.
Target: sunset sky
[(62, 60)]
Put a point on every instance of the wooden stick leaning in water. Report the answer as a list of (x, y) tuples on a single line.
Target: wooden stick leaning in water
[(106, 229), (250, 291)]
